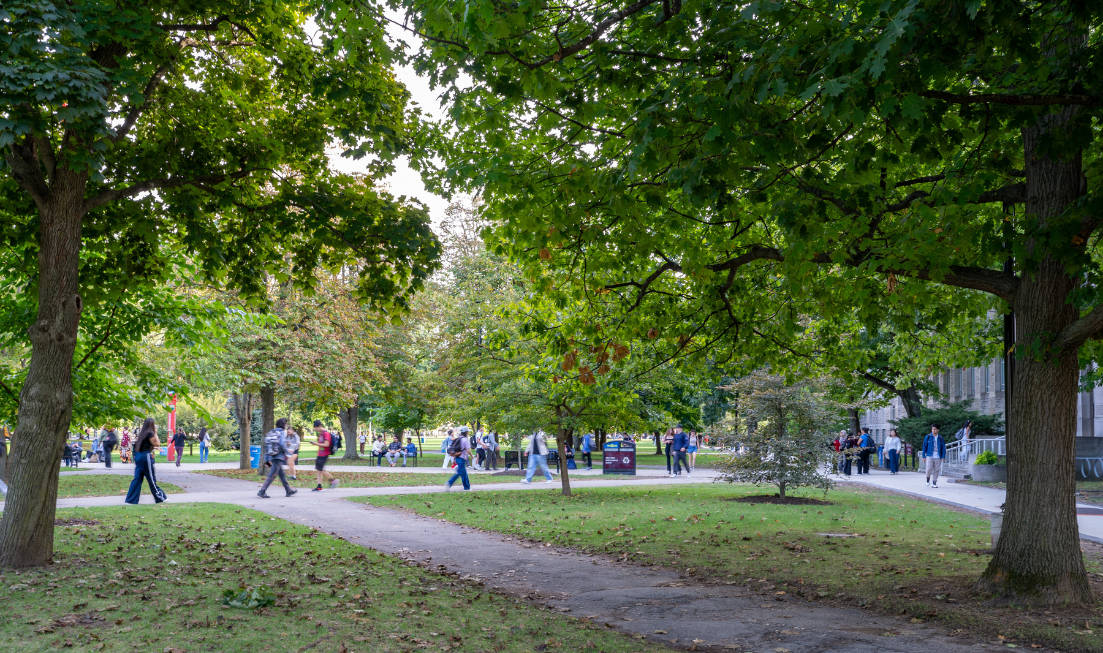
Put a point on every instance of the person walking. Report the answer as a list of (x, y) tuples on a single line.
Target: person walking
[(124, 447), (363, 439), (680, 447), (492, 450), (444, 447), (204, 444), (275, 454), (691, 452), (538, 457), (109, 442), (178, 439), (892, 450), (293, 444), (460, 451), (587, 449), (867, 446), (668, 441), (97, 445), (144, 444), (325, 448), (934, 452), (848, 443), (480, 450)]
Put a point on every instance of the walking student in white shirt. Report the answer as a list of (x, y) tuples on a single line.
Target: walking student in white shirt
[(892, 450)]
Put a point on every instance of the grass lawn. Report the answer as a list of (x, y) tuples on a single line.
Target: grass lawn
[(101, 485), (151, 578), (903, 556)]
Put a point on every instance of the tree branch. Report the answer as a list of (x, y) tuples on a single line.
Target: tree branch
[(136, 111), (109, 196), (1080, 331), (209, 27), (1018, 100), (598, 30), (6, 389), (106, 335)]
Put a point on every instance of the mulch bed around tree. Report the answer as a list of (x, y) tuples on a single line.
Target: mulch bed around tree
[(775, 499)]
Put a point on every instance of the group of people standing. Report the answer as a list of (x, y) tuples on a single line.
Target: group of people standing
[(851, 448)]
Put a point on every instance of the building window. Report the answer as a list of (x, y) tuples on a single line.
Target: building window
[(1002, 371), (986, 378), (971, 378), (958, 388)]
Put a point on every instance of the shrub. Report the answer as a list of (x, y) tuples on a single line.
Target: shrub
[(988, 458), (780, 434)]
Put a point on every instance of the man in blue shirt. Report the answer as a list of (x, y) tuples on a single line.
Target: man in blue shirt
[(587, 447), (934, 452), (679, 447)]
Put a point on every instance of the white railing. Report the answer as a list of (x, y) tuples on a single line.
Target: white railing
[(963, 453)]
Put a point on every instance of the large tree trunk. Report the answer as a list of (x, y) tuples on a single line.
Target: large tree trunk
[(1038, 556), (243, 412), (46, 400), (267, 416), (347, 418)]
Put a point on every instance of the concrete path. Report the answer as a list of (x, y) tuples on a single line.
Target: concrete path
[(975, 497)]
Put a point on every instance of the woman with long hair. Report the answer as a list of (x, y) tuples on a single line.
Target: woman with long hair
[(144, 444)]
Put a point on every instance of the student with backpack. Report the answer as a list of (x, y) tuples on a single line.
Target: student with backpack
[(327, 444), (460, 451), (587, 448), (275, 454)]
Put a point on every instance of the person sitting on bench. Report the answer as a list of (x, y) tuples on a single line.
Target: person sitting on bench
[(411, 451), (394, 450)]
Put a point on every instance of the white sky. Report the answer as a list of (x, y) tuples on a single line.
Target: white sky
[(406, 181)]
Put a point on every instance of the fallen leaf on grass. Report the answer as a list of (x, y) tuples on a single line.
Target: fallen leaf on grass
[(660, 632), (790, 632)]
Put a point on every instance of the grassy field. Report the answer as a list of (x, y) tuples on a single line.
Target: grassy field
[(897, 554), (101, 485), (151, 578)]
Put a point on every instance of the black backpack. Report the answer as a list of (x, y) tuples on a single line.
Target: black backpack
[(456, 448)]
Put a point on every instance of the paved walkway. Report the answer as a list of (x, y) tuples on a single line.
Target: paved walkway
[(976, 497)]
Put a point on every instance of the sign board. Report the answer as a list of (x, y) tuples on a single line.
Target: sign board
[(619, 457)]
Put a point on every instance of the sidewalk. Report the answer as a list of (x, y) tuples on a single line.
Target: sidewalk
[(975, 497)]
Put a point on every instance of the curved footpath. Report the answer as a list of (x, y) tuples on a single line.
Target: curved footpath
[(651, 602)]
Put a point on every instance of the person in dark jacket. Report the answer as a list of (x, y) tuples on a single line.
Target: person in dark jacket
[(109, 442), (679, 448), (867, 446), (934, 452)]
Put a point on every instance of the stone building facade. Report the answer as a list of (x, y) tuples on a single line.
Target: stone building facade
[(985, 386)]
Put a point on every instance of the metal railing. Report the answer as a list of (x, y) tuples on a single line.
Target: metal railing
[(962, 453)]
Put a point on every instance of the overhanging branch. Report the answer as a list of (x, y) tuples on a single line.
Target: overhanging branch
[(1017, 100)]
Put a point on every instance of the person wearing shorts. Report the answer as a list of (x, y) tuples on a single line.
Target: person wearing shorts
[(325, 448), (293, 443), (691, 451)]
